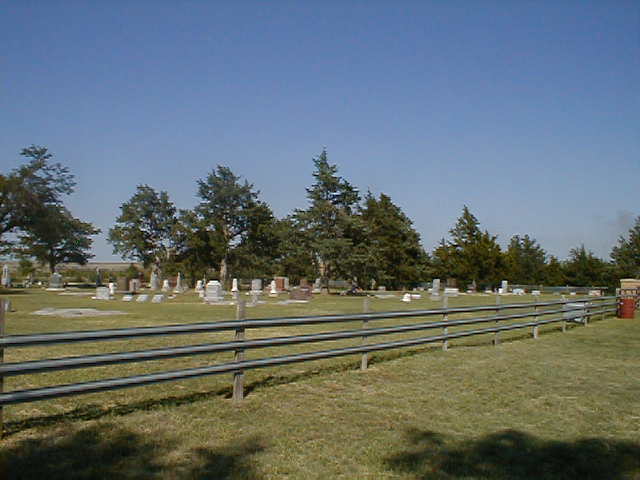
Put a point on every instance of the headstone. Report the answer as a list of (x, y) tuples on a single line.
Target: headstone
[(573, 294), (213, 292), (154, 284), (158, 298), (595, 293), (406, 297), (134, 285), (416, 296), (122, 283), (234, 285), (98, 279), (451, 292), (279, 283), (286, 283), (7, 306), (165, 285), (317, 286), (199, 286), (6, 276), (102, 293), (256, 285), (382, 288), (518, 291), (304, 282), (142, 298), (179, 287), (112, 288), (300, 293), (505, 286), (535, 293), (273, 291), (55, 281), (127, 298)]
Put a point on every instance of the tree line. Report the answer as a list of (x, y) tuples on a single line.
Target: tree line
[(231, 232)]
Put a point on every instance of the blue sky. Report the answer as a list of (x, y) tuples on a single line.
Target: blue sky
[(528, 112)]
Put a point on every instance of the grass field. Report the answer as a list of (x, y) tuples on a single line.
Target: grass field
[(563, 406)]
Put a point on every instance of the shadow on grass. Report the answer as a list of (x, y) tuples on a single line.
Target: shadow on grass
[(107, 452), (515, 455)]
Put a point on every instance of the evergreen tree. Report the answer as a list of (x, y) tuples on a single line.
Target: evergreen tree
[(554, 273), (524, 261), (626, 254), (328, 221), (391, 250), (584, 269), (474, 255)]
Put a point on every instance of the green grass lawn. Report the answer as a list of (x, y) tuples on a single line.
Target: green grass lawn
[(563, 406)]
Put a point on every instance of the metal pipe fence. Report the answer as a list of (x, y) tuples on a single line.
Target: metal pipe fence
[(541, 313)]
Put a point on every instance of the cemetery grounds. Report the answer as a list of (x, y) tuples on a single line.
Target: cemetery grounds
[(563, 406)]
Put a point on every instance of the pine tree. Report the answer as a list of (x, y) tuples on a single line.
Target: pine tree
[(626, 255)]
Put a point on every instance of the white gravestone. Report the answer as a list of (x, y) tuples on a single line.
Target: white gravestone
[(165, 286), (56, 281), (127, 298), (406, 297), (451, 292), (102, 293), (134, 285), (179, 287), (234, 288), (256, 285), (435, 286), (504, 286), (142, 298), (286, 283), (199, 287), (213, 292), (535, 293), (158, 298), (112, 288), (273, 292), (154, 284), (6, 276)]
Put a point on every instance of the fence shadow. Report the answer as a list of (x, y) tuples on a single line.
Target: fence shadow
[(516, 455), (109, 452)]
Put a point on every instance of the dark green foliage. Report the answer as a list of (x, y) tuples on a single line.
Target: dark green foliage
[(57, 238), (237, 222), (626, 254), (144, 229), (554, 273), (28, 190), (328, 222), (472, 256), (525, 261), (583, 268), (390, 251)]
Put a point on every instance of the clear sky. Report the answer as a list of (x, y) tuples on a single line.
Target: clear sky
[(528, 112)]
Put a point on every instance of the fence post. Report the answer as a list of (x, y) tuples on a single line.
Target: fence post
[(496, 336), (2, 316), (564, 322), (366, 308), (535, 318), (445, 318), (238, 377), (586, 313)]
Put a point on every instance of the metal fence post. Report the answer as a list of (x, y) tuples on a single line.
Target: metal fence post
[(496, 336), (445, 317), (535, 318), (564, 322), (366, 308), (238, 377), (2, 315)]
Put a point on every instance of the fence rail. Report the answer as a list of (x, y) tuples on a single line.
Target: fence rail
[(574, 310)]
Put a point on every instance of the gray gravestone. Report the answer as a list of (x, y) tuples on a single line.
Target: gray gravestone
[(127, 298), (435, 288), (142, 298), (154, 284), (134, 285), (6, 276), (158, 298), (102, 293), (256, 285), (213, 292), (505, 286), (55, 281), (165, 285)]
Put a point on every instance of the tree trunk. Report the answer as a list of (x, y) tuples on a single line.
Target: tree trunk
[(223, 271)]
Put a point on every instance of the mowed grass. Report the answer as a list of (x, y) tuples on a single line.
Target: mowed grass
[(563, 406)]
